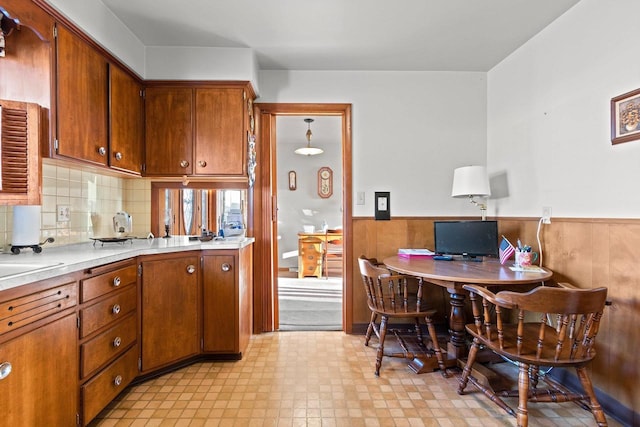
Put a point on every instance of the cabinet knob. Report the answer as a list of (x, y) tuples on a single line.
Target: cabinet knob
[(102, 151), (116, 281), (184, 164), (118, 156), (116, 309), (191, 269), (117, 380), (202, 163), (5, 370), (226, 266), (117, 341)]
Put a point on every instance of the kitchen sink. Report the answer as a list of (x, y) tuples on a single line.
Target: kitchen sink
[(16, 268)]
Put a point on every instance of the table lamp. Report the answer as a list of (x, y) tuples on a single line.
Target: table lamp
[(472, 181)]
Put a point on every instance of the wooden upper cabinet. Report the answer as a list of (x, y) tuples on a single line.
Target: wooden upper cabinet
[(197, 129), (168, 131), (221, 138), (126, 121), (19, 156), (81, 99)]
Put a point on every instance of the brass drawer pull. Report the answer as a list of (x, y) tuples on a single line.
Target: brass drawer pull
[(226, 267), (118, 156), (191, 269), (116, 281), (202, 163), (117, 380), (102, 151), (117, 341), (116, 309), (184, 164)]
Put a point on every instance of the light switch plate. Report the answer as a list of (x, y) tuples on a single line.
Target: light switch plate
[(64, 213)]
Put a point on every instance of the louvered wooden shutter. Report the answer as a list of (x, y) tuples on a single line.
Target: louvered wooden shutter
[(19, 157)]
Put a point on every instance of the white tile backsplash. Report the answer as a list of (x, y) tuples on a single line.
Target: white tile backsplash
[(94, 198)]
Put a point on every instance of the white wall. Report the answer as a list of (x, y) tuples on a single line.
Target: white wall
[(103, 26), (158, 62), (549, 116), (410, 130), (201, 63)]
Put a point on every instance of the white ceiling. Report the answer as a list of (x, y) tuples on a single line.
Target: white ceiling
[(413, 35)]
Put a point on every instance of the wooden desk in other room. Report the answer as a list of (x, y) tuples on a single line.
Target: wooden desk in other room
[(312, 251)]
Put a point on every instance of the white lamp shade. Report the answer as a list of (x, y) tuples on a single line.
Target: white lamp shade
[(470, 181), (309, 151)]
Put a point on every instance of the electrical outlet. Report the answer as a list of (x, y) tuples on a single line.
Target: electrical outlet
[(546, 215), (64, 213)]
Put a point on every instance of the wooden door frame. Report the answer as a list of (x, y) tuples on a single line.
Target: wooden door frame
[(265, 215)]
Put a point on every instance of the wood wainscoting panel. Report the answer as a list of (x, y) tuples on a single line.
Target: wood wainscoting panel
[(586, 252)]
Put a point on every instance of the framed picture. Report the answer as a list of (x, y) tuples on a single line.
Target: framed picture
[(325, 182), (292, 181), (382, 205), (625, 117)]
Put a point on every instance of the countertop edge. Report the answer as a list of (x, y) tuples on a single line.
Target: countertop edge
[(72, 258)]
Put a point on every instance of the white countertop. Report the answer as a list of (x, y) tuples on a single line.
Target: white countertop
[(58, 260)]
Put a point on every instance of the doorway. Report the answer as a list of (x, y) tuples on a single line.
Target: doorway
[(266, 307), (309, 223)]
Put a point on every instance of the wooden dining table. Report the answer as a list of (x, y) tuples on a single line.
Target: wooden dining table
[(452, 275)]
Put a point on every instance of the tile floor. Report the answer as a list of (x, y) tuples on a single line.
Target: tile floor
[(315, 379)]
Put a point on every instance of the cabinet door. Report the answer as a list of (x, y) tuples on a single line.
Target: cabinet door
[(221, 138), (220, 295), (82, 100), (168, 131), (19, 158), (126, 121), (170, 311), (42, 388)]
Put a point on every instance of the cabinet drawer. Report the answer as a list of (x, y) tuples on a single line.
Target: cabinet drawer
[(108, 310), (105, 386), (29, 308), (108, 282), (109, 344)]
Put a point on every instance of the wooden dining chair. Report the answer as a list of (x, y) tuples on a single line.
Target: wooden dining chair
[(551, 327), (389, 297)]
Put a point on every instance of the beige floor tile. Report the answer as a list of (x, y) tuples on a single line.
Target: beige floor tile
[(322, 379)]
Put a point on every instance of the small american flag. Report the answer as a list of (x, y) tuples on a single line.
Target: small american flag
[(506, 250)]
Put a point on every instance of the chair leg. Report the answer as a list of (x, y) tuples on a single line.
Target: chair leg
[(383, 334), (370, 329), (436, 345), (471, 358), (596, 409), (418, 330), (522, 415)]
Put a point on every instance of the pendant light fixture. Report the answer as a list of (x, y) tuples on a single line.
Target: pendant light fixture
[(308, 150)]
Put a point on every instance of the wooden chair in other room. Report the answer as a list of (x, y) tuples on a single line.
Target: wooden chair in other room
[(332, 253), (552, 327), (388, 296)]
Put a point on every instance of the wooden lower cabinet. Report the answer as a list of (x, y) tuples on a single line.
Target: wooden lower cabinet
[(108, 331), (170, 309), (111, 381), (42, 388), (227, 305)]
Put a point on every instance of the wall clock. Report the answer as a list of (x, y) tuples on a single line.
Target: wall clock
[(325, 182)]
